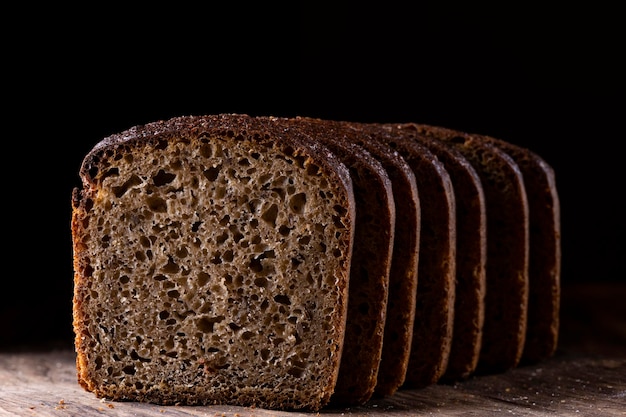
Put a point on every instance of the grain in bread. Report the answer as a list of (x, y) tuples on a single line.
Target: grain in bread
[(212, 259)]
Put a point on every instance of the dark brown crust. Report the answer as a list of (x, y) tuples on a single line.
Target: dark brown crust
[(471, 256), (545, 251), (506, 299), (403, 275), (371, 261), (264, 132), (433, 324)]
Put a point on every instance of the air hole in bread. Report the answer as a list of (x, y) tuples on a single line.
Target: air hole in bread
[(163, 178), (260, 282), (282, 299), (206, 324), (297, 203), (122, 189), (156, 204), (270, 214), (212, 173), (171, 267)]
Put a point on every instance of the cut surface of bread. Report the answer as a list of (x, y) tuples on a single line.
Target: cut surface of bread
[(212, 259), (471, 233), (371, 261), (506, 298)]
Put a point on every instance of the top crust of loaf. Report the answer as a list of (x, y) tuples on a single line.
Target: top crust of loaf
[(180, 247)]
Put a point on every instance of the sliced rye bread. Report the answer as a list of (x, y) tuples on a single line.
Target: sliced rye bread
[(544, 267), (371, 260), (404, 267), (403, 272), (506, 299), (294, 263), (212, 259), (434, 305), (471, 233)]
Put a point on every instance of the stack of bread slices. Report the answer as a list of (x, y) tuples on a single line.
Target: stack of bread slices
[(298, 263)]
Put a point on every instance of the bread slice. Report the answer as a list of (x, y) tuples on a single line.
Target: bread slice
[(471, 233), (434, 311), (544, 251), (371, 260), (404, 264), (506, 299), (212, 259)]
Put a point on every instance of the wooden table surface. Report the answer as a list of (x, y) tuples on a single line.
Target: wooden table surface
[(586, 377)]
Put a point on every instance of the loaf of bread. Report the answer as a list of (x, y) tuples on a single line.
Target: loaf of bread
[(300, 263)]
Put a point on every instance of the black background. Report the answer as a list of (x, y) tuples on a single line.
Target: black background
[(549, 79)]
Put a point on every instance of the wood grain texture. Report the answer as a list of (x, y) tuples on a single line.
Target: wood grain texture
[(584, 378), (44, 384)]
